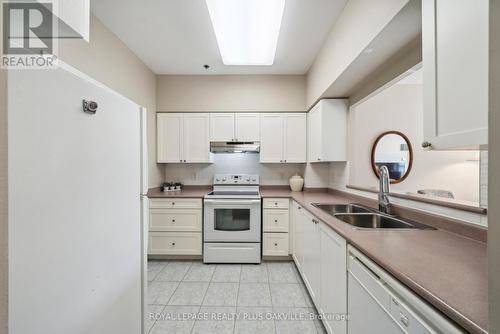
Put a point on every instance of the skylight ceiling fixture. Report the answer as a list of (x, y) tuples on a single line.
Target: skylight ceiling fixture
[(246, 30)]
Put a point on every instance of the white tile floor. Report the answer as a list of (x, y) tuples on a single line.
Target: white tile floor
[(228, 298)]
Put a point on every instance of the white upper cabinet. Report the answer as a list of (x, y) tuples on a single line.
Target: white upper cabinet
[(455, 67), (222, 127), (271, 137), (283, 137), (169, 137), (295, 137), (73, 18), (235, 127), (183, 138), (247, 127), (196, 138), (327, 131)]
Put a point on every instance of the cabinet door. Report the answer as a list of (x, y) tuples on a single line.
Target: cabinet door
[(196, 137), (175, 243), (455, 67), (295, 138), (247, 127), (176, 220), (333, 277), (169, 137), (222, 127), (311, 251), (271, 138), (297, 232), (314, 132)]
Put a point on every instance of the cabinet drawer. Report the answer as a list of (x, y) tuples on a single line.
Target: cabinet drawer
[(276, 220), (180, 220), (175, 243), (275, 244), (184, 203), (276, 203)]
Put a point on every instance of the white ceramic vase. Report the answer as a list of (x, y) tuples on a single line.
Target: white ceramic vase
[(296, 182)]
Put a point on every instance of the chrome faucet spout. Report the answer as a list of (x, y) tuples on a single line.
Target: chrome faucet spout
[(384, 205)]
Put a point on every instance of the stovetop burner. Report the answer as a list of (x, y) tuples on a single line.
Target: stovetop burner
[(237, 186)]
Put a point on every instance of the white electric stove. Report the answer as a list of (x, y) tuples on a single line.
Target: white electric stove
[(232, 220)]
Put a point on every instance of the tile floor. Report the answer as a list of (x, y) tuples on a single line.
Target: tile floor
[(228, 298)]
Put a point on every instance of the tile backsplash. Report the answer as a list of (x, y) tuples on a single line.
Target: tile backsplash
[(228, 163), (483, 179)]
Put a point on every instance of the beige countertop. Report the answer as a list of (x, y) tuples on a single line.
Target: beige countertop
[(446, 269)]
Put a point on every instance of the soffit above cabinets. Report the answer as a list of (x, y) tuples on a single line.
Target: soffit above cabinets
[(177, 37)]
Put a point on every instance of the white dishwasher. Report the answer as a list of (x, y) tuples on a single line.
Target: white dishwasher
[(379, 304)]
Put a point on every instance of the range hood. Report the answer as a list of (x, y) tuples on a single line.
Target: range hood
[(234, 147)]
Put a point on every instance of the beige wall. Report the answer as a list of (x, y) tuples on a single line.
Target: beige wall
[(400, 107), (356, 27), (494, 169), (231, 93), (3, 204), (108, 60)]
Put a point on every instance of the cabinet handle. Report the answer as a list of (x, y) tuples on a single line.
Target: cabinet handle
[(180, 160), (404, 319), (319, 159), (276, 244), (284, 160), (236, 139), (275, 203), (281, 161), (173, 203), (184, 160), (276, 220), (173, 243), (173, 220), (426, 144)]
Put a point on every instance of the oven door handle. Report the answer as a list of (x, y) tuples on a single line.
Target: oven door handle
[(230, 201)]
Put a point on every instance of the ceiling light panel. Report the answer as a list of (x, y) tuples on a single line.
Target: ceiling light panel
[(246, 30)]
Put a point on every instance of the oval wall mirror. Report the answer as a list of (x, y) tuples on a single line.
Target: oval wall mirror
[(392, 149)]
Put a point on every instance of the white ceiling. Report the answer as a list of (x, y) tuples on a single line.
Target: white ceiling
[(176, 36)]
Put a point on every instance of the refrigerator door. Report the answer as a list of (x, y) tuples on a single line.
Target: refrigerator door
[(144, 151), (144, 266), (75, 249)]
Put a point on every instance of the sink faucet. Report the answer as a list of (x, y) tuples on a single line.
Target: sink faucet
[(383, 193)]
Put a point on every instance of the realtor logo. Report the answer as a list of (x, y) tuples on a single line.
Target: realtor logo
[(28, 33)]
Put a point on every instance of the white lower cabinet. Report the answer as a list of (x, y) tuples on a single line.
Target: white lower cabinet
[(275, 244), (333, 278), (187, 220), (320, 255), (311, 249), (175, 243), (175, 227), (276, 221)]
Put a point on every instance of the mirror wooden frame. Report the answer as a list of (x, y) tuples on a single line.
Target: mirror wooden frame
[(410, 150)]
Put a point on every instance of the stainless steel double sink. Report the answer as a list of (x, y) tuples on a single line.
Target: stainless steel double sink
[(361, 217)]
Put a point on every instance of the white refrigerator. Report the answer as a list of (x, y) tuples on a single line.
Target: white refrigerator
[(77, 206)]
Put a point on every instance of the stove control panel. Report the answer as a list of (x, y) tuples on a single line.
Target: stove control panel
[(240, 179)]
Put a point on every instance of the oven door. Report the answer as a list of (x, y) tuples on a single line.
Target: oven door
[(232, 220)]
